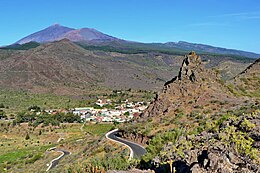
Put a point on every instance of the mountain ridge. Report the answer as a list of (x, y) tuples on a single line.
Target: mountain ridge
[(91, 36), (210, 49)]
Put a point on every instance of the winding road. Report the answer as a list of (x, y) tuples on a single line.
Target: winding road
[(55, 161), (136, 150)]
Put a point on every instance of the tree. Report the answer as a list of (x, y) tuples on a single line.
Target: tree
[(2, 114), (127, 113), (34, 108), (27, 136), (2, 105)]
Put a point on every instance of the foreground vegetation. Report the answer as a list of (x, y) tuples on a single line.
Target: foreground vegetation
[(24, 148), (27, 131), (167, 144)]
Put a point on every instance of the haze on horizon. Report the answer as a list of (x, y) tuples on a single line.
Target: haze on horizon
[(230, 24)]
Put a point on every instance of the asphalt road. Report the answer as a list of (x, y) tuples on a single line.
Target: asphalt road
[(136, 150), (55, 161)]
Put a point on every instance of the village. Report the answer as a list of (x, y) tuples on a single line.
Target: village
[(108, 111)]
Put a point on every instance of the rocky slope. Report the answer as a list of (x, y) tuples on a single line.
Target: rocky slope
[(194, 87), (247, 82), (64, 68), (196, 124)]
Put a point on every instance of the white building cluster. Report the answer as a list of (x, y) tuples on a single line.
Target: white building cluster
[(120, 113)]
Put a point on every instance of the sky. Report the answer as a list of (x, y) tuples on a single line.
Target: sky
[(223, 23)]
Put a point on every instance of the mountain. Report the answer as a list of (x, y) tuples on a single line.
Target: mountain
[(87, 34), (88, 37), (57, 32), (210, 49), (50, 34)]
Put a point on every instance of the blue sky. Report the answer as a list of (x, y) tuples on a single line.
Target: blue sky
[(225, 23)]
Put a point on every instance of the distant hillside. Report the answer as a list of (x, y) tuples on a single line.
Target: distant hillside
[(63, 67), (210, 49), (25, 46)]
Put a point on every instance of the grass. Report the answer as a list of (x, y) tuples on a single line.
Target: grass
[(98, 129), (21, 154), (13, 156)]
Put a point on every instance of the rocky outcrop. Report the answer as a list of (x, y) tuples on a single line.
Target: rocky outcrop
[(254, 67), (205, 137), (232, 148), (194, 86), (138, 138), (132, 171)]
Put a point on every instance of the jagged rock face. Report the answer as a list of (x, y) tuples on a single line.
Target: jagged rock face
[(190, 67), (194, 86)]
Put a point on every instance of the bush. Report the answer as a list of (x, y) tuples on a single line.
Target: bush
[(27, 137), (2, 105), (34, 108), (34, 158)]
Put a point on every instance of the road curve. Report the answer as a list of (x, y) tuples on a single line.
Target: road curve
[(55, 161), (136, 150)]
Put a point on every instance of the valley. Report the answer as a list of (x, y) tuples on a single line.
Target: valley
[(175, 110)]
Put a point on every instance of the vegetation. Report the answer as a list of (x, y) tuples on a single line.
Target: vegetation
[(230, 129), (46, 119), (16, 101), (98, 129), (156, 143), (25, 46), (135, 49)]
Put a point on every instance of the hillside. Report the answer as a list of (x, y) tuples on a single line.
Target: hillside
[(194, 87), (247, 82), (197, 124), (65, 68)]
